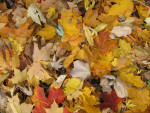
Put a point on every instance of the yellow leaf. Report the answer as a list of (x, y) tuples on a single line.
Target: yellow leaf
[(48, 32), (140, 98), (115, 62), (19, 76), (130, 78), (16, 47), (51, 12), (70, 58), (89, 101), (142, 11), (122, 8), (88, 35), (71, 23), (71, 85)]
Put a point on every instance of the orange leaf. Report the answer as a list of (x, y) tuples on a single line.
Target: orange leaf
[(104, 43)]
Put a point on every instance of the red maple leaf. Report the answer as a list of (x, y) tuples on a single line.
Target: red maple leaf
[(110, 100), (104, 43), (42, 102)]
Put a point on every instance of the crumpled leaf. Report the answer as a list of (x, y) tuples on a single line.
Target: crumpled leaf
[(19, 76), (35, 14), (120, 31), (139, 98), (14, 106), (106, 83), (57, 64), (122, 8), (25, 90), (120, 88), (54, 108), (42, 102), (60, 80), (81, 70), (48, 32)]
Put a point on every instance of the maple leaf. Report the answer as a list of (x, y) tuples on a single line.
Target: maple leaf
[(110, 100), (36, 70), (14, 106), (19, 76), (122, 8), (139, 98), (104, 43), (81, 70), (43, 53), (54, 108), (90, 18), (89, 101), (48, 32), (42, 102), (71, 23)]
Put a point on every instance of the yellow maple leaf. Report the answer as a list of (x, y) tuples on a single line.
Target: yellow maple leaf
[(142, 11), (71, 57), (16, 47), (103, 65), (122, 8), (130, 78), (71, 23), (90, 18), (139, 98), (89, 101), (48, 32)]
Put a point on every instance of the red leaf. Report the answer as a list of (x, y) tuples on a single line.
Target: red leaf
[(42, 102), (56, 95), (110, 100), (104, 43)]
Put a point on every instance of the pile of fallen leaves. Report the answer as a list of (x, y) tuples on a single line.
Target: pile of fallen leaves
[(74, 56)]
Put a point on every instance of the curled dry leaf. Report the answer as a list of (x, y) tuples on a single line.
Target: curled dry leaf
[(36, 14)]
